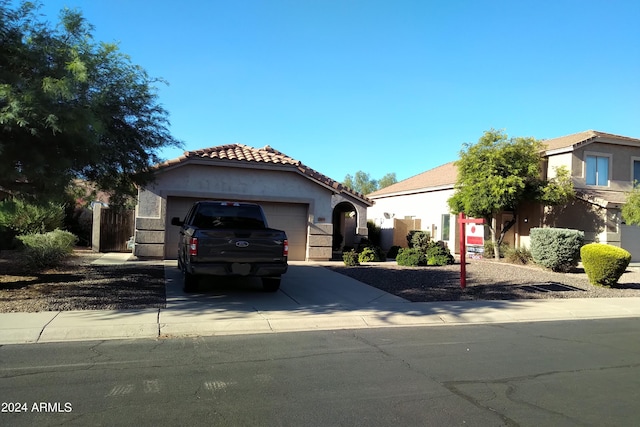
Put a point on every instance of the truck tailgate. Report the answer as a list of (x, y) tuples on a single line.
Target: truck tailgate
[(222, 245)]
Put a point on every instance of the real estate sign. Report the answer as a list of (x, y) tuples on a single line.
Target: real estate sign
[(474, 239)]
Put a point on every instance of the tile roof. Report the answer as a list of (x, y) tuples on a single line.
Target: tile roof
[(444, 175), (266, 155), (580, 138)]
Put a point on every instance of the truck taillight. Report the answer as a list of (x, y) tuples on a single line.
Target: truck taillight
[(193, 246), (285, 248)]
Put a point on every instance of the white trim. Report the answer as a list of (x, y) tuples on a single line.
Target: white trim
[(413, 191)]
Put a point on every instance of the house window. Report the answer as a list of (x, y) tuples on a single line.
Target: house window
[(597, 170), (446, 222), (636, 171)]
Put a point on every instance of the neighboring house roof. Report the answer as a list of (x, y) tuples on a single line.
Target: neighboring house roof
[(268, 156), (443, 176), (576, 140)]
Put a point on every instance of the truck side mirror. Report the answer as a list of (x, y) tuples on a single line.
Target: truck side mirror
[(176, 221)]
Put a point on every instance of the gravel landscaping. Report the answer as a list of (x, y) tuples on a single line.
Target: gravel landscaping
[(80, 285), (486, 280)]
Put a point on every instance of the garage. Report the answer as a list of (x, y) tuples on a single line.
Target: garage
[(294, 197), (630, 240), (290, 217)]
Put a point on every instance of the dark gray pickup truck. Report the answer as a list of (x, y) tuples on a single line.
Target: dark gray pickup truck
[(230, 239)]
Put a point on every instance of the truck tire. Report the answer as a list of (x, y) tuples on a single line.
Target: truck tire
[(190, 282), (271, 284)]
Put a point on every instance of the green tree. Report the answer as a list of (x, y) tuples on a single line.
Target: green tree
[(387, 180), (363, 183), (499, 173), (631, 208), (72, 108)]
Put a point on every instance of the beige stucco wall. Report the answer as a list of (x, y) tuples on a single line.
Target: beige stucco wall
[(231, 183), (620, 171)]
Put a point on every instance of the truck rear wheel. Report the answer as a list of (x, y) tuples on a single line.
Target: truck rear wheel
[(271, 284)]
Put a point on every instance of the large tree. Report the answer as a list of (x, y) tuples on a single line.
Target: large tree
[(363, 183), (498, 174), (72, 108)]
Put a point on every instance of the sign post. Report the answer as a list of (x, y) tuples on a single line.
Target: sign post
[(475, 239)]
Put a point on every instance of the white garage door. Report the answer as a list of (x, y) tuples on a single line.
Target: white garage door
[(630, 240), (290, 217)]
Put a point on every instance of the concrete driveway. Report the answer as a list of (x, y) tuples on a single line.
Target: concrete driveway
[(304, 285)]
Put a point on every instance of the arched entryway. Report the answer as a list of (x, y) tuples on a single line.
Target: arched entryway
[(345, 222)]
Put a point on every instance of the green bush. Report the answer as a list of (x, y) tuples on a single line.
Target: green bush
[(411, 257), (393, 252), (438, 254), (368, 254), (22, 217), (604, 264), (43, 250), (350, 258), (419, 240), (520, 255), (556, 248)]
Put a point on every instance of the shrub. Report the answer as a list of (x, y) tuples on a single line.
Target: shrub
[(42, 250), (488, 249), (604, 264), (350, 258), (420, 240), (411, 257), (520, 255), (23, 217), (438, 254), (368, 254), (556, 248), (393, 252)]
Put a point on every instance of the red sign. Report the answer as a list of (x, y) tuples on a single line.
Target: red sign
[(475, 234)]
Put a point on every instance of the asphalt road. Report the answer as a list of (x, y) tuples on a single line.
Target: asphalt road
[(530, 374)]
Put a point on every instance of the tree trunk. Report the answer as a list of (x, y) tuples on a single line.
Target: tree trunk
[(493, 228)]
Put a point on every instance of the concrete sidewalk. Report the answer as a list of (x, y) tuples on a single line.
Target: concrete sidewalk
[(311, 298)]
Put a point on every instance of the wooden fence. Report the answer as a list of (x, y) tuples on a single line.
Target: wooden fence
[(112, 229)]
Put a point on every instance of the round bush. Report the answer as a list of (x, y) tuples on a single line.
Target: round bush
[(368, 254), (604, 264), (411, 257), (42, 250), (556, 248), (438, 254), (350, 258)]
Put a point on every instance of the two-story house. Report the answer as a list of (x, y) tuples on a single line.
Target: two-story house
[(603, 168)]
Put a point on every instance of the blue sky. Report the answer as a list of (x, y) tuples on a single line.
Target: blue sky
[(379, 86)]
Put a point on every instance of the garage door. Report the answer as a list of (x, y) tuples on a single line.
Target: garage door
[(630, 240), (290, 217)]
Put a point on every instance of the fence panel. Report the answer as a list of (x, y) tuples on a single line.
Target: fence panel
[(116, 227)]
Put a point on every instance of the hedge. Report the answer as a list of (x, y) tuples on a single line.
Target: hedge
[(556, 248), (604, 264)]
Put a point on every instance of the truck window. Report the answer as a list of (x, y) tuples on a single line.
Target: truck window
[(237, 217)]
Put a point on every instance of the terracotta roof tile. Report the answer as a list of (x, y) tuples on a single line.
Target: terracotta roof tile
[(267, 154)]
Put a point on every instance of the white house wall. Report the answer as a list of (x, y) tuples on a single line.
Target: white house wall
[(428, 207)]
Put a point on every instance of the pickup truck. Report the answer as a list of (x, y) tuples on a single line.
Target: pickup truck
[(230, 239)]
